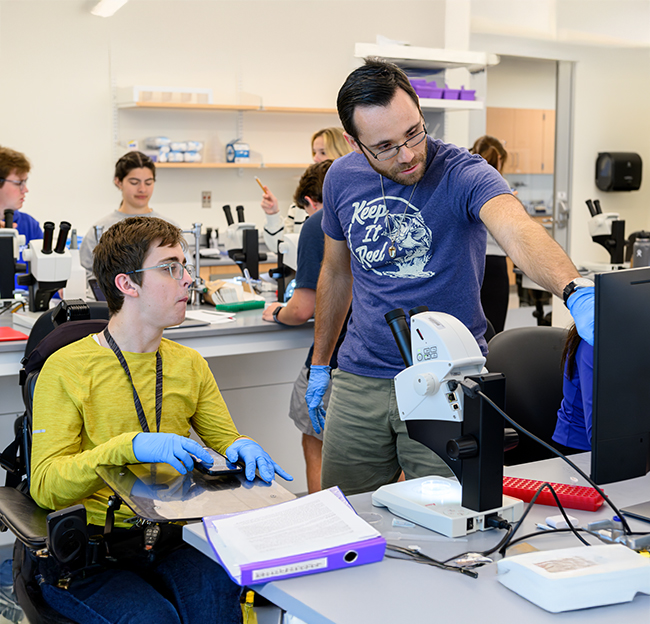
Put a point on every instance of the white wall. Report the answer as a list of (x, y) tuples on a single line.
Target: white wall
[(522, 83), (58, 63)]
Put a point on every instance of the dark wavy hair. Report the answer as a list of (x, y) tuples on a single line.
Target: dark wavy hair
[(131, 161), (373, 84), (311, 183)]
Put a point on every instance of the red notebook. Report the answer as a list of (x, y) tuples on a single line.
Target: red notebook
[(8, 333)]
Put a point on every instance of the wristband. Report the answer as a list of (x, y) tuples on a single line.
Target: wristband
[(275, 315)]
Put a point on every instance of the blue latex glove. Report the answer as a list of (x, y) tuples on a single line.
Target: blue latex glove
[(581, 305), (254, 456), (169, 448), (319, 381)]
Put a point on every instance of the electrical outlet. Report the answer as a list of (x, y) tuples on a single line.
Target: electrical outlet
[(206, 199)]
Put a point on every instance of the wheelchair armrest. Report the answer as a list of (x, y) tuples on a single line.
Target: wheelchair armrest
[(23, 517)]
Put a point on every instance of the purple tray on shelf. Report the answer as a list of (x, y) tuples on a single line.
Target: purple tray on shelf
[(451, 94), (467, 94), (429, 92)]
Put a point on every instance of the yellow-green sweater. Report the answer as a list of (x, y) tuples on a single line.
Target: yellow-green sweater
[(84, 417)]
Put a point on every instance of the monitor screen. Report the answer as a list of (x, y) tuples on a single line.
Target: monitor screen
[(621, 396)]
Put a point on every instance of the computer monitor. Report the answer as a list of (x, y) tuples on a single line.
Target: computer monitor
[(621, 395)]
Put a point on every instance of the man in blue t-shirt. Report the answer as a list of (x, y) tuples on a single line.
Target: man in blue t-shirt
[(405, 220), (14, 168)]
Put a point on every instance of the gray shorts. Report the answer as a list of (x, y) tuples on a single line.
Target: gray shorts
[(298, 411), (366, 444)]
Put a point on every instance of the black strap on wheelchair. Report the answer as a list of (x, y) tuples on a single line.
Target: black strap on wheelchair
[(136, 399)]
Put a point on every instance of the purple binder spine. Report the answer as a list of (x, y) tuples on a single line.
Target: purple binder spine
[(346, 556)]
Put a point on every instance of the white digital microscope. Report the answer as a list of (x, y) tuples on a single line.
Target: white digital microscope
[(438, 398), (242, 242)]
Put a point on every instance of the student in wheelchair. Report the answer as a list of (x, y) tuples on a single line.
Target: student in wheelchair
[(128, 395)]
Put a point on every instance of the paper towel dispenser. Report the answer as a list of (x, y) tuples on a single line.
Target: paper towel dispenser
[(618, 171)]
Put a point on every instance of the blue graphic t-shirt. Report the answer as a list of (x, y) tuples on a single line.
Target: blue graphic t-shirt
[(438, 239)]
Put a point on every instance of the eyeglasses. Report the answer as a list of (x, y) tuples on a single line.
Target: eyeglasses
[(176, 269), (21, 184), (391, 152)]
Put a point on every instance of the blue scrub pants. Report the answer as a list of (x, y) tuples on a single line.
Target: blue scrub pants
[(184, 587)]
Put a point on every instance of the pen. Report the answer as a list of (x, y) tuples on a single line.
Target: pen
[(260, 183)]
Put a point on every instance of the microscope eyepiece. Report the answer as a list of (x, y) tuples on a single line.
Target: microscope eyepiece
[(48, 235), (396, 320)]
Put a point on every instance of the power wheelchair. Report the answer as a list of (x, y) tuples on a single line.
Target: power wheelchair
[(64, 541)]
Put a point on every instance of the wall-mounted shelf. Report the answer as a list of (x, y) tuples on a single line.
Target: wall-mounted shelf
[(208, 165), (427, 104), (427, 58), (245, 108)]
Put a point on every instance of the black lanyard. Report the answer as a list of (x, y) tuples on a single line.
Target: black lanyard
[(136, 399)]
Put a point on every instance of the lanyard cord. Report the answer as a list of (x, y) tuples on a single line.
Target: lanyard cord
[(136, 399)]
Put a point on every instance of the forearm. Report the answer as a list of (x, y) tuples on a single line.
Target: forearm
[(211, 420), (529, 245), (60, 479), (333, 299), (300, 307)]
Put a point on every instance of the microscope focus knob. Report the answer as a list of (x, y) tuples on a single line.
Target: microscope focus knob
[(426, 384), (463, 447)]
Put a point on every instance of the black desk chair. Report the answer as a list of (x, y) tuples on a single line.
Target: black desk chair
[(18, 512), (530, 358)]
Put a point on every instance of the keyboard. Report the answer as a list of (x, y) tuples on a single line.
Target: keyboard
[(571, 496)]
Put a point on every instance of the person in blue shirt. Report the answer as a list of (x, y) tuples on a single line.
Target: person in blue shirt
[(14, 168), (573, 429)]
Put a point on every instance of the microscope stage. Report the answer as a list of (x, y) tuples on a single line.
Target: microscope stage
[(434, 503)]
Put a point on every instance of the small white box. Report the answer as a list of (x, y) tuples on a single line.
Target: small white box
[(184, 95), (237, 152)]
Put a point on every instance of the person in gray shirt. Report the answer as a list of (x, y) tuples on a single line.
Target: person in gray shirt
[(135, 177)]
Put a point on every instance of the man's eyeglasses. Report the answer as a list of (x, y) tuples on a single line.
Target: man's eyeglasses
[(21, 184), (391, 152), (176, 269)]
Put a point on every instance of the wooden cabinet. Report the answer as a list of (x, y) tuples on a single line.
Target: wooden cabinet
[(527, 134)]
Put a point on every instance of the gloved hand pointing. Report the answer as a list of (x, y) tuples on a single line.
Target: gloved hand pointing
[(254, 456), (319, 381), (581, 305), (169, 448)]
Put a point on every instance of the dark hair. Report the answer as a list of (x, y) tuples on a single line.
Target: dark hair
[(11, 160), (311, 183), (131, 161), (569, 352), (373, 84), (123, 248), (491, 149)]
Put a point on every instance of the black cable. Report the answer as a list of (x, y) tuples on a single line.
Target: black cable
[(506, 540), (472, 390), (420, 557), (505, 543)]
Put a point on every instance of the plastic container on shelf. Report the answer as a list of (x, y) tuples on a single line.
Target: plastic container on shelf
[(467, 94), (429, 90), (450, 94)]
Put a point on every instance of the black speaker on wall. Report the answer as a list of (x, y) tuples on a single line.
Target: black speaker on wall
[(618, 171)]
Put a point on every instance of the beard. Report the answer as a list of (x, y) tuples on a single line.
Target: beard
[(395, 174)]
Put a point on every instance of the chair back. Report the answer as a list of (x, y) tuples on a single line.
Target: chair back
[(530, 358)]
